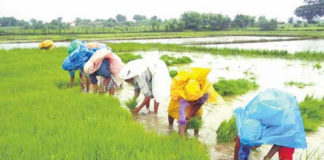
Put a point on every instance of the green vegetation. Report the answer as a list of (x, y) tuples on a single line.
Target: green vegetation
[(227, 132), (126, 57), (299, 84), (234, 87), (39, 120), (317, 66), (128, 47), (131, 104), (170, 61), (173, 73), (195, 123), (312, 111)]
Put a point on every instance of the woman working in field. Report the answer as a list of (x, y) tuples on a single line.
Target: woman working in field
[(272, 117), (106, 64), (151, 78), (190, 89)]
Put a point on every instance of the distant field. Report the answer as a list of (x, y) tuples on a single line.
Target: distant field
[(306, 33)]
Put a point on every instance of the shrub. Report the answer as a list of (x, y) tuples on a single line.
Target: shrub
[(234, 87)]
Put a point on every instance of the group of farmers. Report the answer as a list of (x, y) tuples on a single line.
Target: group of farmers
[(272, 117)]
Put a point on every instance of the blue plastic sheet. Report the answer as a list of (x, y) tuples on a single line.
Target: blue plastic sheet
[(272, 117), (77, 58), (74, 45)]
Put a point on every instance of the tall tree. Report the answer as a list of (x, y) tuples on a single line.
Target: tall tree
[(192, 20), (313, 9), (120, 18)]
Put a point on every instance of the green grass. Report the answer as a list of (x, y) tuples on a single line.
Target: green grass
[(126, 57), (299, 84), (173, 73), (312, 111), (131, 104), (42, 119), (227, 132), (312, 33), (170, 61), (130, 47), (234, 87), (195, 123)]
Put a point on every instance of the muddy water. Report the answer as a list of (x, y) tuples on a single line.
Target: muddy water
[(290, 46), (269, 73), (171, 41), (202, 39)]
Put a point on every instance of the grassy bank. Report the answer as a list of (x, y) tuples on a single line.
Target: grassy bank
[(41, 119), (128, 47), (149, 35)]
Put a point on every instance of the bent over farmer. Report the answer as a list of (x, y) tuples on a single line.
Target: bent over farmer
[(190, 89), (150, 77)]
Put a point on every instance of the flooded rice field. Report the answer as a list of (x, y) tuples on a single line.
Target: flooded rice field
[(269, 73), (290, 46), (165, 41)]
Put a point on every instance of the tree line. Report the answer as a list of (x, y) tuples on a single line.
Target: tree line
[(311, 11)]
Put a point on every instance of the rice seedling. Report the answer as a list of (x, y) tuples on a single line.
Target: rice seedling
[(299, 84), (312, 111), (126, 57), (227, 132), (131, 103), (43, 119), (234, 87), (317, 66), (195, 123), (170, 61), (173, 73)]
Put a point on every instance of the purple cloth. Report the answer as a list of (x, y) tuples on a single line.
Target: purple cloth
[(183, 104)]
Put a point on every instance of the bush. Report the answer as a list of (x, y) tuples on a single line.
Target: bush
[(267, 25), (234, 87), (173, 61), (227, 132)]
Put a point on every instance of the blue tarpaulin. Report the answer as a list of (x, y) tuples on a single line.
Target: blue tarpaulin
[(77, 58), (272, 117)]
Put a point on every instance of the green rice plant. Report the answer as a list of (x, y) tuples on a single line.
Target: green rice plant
[(39, 120), (312, 111), (317, 66), (195, 123), (299, 84), (173, 73), (173, 61), (126, 57), (131, 103), (304, 55), (227, 131), (234, 87)]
